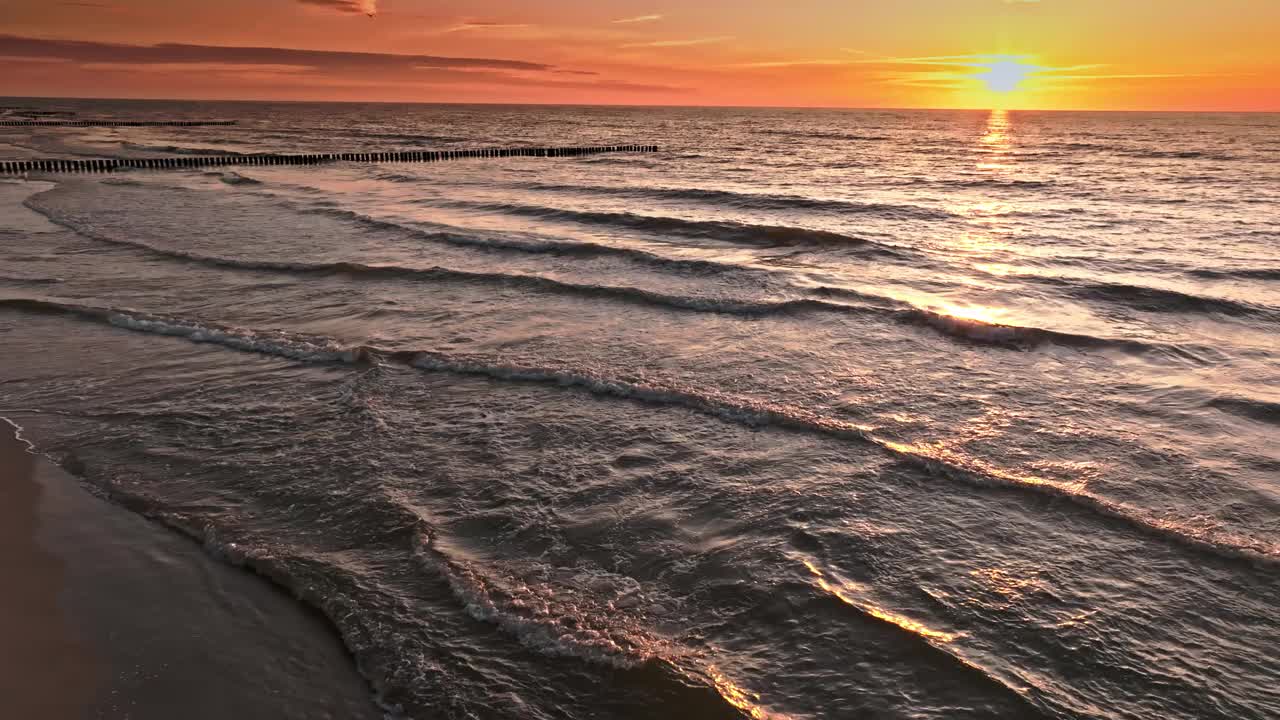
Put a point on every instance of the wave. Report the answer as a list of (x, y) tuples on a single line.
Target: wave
[(770, 236), (826, 135), (994, 334), (232, 178), (1252, 409), (17, 431), (126, 182), (725, 231), (282, 344), (537, 246), (404, 137), (35, 280), (750, 201), (535, 615), (1237, 274), (1073, 146), (446, 234), (177, 149), (606, 627), (1023, 336), (1179, 155), (705, 401), (1159, 300), (1000, 334), (533, 282), (730, 198), (976, 331), (1146, 153), (994, 182), (937, 642)]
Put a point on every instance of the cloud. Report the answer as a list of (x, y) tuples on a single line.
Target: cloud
[(366, 7), (795, 63), (87, 51), (104, 7), (678, 43), (940, 60), (508, 79), (305, 68), (998, 72), (1143, 76), (211, 67), (638, 19), (468, 25), (32, 60)]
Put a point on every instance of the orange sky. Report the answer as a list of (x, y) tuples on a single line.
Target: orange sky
[(1077, 54)]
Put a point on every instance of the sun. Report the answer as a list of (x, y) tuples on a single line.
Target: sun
[(1004, 75)]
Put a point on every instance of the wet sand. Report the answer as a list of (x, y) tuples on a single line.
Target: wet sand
[(105, 615)]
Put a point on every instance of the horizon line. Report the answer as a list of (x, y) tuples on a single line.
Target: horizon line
[(632, 105)]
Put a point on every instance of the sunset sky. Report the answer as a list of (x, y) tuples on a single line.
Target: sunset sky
[(1051, 54)]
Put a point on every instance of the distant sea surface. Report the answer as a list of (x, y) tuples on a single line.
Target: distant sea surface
[(812, 414)]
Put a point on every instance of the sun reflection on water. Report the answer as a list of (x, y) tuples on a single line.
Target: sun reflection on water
[(978, 313), (996, 142), (988, 206), (999, 133)]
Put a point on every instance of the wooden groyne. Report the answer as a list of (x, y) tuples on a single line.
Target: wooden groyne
[(19, 167), (113, 123)]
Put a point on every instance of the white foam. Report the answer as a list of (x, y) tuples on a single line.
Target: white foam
[(576, 618), (17, 434)]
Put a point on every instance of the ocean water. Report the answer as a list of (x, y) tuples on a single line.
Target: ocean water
[(813, 414)]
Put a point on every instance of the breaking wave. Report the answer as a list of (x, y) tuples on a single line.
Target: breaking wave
[(706, 401), (716, 230), (1154, 299), (747, 201), (1237, 274), (988, 333)]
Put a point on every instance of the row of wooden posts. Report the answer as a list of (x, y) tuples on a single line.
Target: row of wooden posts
[(113, 123), (19, 167)]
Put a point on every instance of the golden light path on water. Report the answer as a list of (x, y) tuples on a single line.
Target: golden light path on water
[(995, 147)]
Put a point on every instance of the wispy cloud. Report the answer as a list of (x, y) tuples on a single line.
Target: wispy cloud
[(679, 43), (795, 63), (939, 60), (474, 25), (295, 69), (206, 67), (87, 51), (638, 19), (99, 7), (365, 7), (997, 71), (1143, 76)]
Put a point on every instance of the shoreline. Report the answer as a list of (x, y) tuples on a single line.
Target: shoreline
[(109, 615)]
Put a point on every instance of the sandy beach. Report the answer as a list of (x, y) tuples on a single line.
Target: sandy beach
[(106, 615)]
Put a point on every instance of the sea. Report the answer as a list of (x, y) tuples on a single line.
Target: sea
[(811, 414)]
